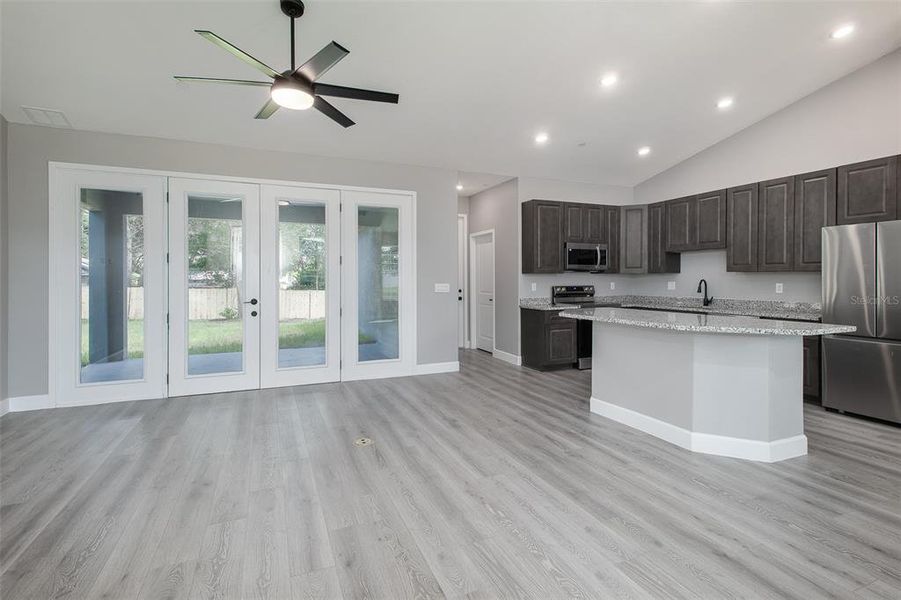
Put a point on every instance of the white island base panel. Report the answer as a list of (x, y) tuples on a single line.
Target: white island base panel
[(731, 395)]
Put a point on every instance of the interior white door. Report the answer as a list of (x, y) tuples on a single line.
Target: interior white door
[(300, 293), (214, 286), (461, 281), (378, 300), (484, 267), (107, 286)]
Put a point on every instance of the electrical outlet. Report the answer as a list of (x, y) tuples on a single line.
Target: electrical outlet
[(442, 288), (670, 285), (612, 285), (534, 287), (778, 288)]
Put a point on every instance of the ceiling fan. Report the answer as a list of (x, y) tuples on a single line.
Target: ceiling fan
[(298, 87)]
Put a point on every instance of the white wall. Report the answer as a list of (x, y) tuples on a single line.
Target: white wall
[(855, 118), (30, 148), (4, 272)]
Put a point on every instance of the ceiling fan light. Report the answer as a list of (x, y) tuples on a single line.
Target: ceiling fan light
[(291, 95)]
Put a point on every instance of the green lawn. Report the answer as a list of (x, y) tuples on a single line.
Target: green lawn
[(209, 337)]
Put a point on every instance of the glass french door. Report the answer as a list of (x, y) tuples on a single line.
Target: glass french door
[(379, 307), (227, 286), (214, 286), (301, 286), (107, 286)]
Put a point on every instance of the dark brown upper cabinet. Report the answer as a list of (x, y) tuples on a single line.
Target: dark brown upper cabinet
[(814, 209), (741, 228), (776, 225), (611, 237), (584, 223), (542, 236), (593, 220), (659, 260), (634, 235), (708, 221), (575, 228), (868, 191), (678, 224)]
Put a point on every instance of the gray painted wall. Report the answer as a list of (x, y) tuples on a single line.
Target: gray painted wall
[(855, 118), (4, 253), (462, 205), (497, 208), (30, 149)]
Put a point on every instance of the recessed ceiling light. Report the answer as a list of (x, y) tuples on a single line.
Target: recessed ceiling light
[(459, 187), (843, 31), (644, 151), (725, 103), (541, 138), (609, 80)]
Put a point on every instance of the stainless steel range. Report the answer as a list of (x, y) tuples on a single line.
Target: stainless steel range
[(578, 296)]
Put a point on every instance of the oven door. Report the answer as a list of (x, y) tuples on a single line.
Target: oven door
[(585, 257)]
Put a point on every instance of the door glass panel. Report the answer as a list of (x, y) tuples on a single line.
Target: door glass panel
[(112, 286), (302, 284), (377, 263), (215, 285)]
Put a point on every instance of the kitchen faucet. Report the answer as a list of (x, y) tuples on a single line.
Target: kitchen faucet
[(707, 300)]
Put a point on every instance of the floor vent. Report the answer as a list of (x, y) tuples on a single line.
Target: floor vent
[(47, 117), (362, 442)]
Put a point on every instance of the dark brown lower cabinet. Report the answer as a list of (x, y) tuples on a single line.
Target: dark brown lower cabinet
[(548, 340), (812, 367)]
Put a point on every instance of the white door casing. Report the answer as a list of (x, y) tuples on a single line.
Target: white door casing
[(483, 289), (462, 285)]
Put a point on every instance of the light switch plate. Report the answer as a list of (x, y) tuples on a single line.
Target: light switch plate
[(612, 285), (534, 287), (442, 288), (670, 285), (778, 288)]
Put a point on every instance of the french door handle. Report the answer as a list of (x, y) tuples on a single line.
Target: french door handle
[(253, 301)]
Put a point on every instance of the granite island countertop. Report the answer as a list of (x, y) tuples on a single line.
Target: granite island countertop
[(800, 311), (703, 323)]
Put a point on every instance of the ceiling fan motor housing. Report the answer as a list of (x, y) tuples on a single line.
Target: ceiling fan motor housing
[(292, 8)]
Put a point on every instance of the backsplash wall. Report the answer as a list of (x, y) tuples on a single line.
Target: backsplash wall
[(708, 264)]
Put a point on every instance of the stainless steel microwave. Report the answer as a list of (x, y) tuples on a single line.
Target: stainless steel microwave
[(585, 257)]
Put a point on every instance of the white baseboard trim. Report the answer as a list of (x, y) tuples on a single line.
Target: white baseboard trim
[(513, 359), (443, 367), (705, 443), (26, 403)]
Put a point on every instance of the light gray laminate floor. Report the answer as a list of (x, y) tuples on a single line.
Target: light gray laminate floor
[(492, 482)]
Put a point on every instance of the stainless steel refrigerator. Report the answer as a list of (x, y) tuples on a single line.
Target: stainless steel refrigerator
[(862, 287)]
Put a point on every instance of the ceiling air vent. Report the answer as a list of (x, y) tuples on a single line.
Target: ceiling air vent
[(47, 117)]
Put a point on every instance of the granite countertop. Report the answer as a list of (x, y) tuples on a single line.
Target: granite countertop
[(801, 311), (703, 323)]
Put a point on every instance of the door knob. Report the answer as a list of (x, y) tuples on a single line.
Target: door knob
[(252, 301)]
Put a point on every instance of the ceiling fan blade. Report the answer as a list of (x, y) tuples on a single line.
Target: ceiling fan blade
[(322, 61), (229, 81), (338, 91), (267, 110), (225, 45), (331, 112)]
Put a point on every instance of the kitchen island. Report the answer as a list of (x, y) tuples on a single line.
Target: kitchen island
[(725, 385)]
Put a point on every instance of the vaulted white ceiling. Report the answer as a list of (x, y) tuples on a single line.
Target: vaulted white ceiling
[(477, 80)]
